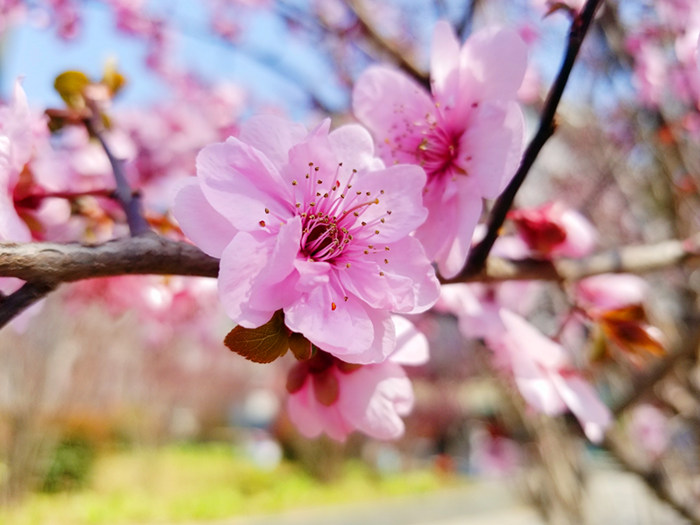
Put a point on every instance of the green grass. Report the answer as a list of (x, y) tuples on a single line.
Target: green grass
[(200, 483)]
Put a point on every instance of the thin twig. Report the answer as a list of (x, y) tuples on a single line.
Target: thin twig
[(579, 28), (17, 302), (653, 477), (386, 45), (129, 200)]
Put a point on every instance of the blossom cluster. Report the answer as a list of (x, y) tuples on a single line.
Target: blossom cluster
[(328, 238)]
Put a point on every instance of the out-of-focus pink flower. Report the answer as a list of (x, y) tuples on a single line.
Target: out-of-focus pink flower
[(545, 376), (611, 291), (311, 223), (649, 428), (467, 135), (553, 230), (336, 398)]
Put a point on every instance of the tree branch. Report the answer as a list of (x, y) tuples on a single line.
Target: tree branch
[(15, 303), (130, 201), (53, 263), (579, 27), (653, 477), (386, 45)]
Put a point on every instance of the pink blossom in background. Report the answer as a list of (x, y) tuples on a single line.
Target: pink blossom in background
[(554, 230), (611, 291), (329, 396), (313, 224), (545, 376), (467, 134), (649, 427)]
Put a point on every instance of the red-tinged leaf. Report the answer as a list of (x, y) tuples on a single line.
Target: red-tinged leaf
[(326, 387), (634, 337), (300, 346), (263, 344), (634, 312)]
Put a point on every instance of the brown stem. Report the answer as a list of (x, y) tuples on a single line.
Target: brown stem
[(579, 28), (386, 45), (129, 200), (17, 302)]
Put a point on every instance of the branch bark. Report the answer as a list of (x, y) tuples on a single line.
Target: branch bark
[(579, 28), (52, 263)]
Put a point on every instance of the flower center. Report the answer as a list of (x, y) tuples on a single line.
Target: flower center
[(438, 151), (322, 238)]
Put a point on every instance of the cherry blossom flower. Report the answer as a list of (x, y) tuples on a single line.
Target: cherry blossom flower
[(467, 135), (545, 376), (313, 224), (611, 291), (554, 230), (330, 396)]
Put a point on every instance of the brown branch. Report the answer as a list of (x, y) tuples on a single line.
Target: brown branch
[(653, 477), (579, 28), (129, 200), (386, 45), (52, 263), (17, 302), (150, 254), (626, 259)]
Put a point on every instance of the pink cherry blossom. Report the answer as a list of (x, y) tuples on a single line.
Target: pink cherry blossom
[(333, 397), (467, 135), (311, 223), (554, 230), (545, 376), (611, 291)]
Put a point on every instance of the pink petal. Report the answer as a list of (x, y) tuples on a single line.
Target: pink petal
[(581, 236), (444, 62), (241, 262), (492, 146), (400, 279), (374, 396), (493, 63), (525, 340), (440, 228), (453, 257), (353, 146), (411, 344), (272, 136), (585, 404), (611, 291), (394, 108), (311, 418), (349, 331), (241, 183), (12, 228), (398, 191), (203, 225)]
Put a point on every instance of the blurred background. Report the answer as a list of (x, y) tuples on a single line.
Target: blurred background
[(119, 402)]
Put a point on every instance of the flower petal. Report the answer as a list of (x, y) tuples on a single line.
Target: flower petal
[(394, 108), (493, 64), (492, 146), (201, 223), (241, 184), (272, 136)]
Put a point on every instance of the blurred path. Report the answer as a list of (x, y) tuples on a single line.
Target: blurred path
[(614, 498)]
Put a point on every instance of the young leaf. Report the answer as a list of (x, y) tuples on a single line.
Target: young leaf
[(300, 346), (263, 344)]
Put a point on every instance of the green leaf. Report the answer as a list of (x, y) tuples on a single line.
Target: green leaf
[(263, 344)]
